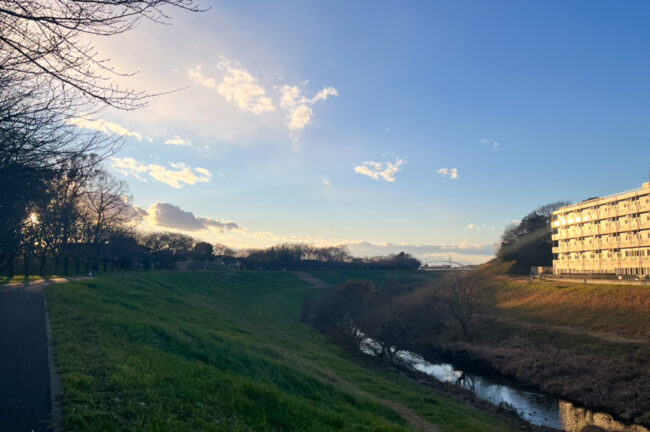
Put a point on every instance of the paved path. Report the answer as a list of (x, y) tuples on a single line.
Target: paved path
[(315, 282), (27, 374), (25, 402)]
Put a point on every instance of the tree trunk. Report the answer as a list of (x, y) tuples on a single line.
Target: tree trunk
[(41, 269), (463, 328), (26, 264), (66, 264), (77, 264)]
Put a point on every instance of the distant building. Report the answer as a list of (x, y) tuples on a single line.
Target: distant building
[(604, 235)]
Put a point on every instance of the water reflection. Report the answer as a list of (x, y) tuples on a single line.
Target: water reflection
[(534, 407)]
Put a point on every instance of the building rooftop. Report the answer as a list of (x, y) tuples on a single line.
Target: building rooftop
[(612, 197)]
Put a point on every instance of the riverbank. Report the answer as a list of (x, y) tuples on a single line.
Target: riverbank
[(589, 344), (585, 344)]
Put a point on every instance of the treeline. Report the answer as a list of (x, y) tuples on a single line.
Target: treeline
[(89, 237), (529, 242), (302, 256)]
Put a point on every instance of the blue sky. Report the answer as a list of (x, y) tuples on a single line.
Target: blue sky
[(475, 113)]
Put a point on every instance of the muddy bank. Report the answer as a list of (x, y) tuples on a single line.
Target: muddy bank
[(620, 385)]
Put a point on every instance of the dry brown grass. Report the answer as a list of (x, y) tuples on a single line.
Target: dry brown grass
[(617, 309)]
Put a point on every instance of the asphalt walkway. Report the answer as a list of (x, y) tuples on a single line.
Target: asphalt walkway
[(25, 402)]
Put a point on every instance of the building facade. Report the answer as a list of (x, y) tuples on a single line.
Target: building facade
[(604, 235)]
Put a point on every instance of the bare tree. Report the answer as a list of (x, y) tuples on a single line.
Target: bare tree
[(461, 299), (106, 207), (44, 38)]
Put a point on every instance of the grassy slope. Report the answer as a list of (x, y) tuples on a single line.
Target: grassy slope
[(205, 351), (616, 309)]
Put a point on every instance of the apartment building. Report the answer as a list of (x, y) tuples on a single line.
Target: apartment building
[(604, 235)]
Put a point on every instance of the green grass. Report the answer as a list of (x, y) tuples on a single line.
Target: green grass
[(377, 277), (207, 351)]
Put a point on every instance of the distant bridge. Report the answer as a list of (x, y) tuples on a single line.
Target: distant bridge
[(452, 264)]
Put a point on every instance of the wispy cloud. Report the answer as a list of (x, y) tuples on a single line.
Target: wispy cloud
[(298, 107), (177, 176), (196, 73), (325, 181), (452, 173), (103, 126), (491, 142), (178, 141), (380, 170), (483, 227)]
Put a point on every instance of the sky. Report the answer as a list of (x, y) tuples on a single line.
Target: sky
[(426, 127)]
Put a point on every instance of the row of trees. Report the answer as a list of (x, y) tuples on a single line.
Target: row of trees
[(55, 200)]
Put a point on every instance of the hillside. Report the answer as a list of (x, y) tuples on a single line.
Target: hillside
[(212, 351)]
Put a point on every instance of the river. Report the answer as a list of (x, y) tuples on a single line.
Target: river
[(535, 407)]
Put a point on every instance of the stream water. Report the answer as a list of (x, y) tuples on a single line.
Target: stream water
[(535, 407)]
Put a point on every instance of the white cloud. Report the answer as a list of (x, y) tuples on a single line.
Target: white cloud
[(103, 126), (489, 141), (238, 86), (169, 216), (452, 173), (326, 182), (298, 107), (377, 170), (176, 178), (197, 75), (472, 227), (178, 141)]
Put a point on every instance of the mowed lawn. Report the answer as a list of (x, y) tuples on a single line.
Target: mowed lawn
[(211, 351)]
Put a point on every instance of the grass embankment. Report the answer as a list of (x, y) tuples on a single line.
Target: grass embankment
[(622, 310), (214, 352), (587, 342)]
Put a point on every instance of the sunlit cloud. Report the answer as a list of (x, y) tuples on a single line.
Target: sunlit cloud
[(169, 216), (176, 177), (380, 170), (452, 173), (298, 107), (105, 127), (490, 142), (196, 73), (178, 141), (237, 86)]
